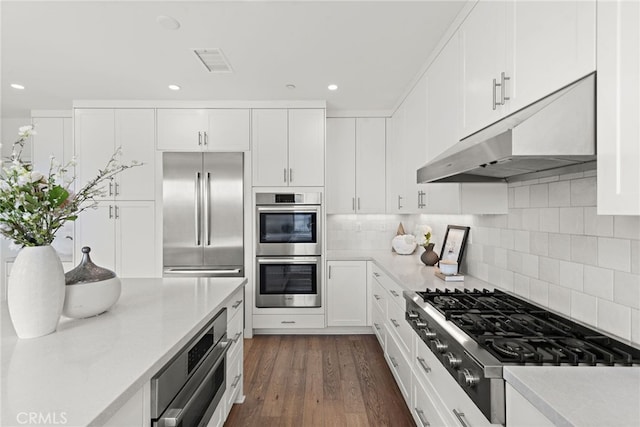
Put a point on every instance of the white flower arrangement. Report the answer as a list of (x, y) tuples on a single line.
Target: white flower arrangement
[(424, 233), (34, 206)]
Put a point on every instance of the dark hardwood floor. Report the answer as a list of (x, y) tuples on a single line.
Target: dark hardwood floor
[(318, 380)]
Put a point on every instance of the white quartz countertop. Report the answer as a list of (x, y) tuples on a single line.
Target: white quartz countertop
[(89, 367), (567, 395)]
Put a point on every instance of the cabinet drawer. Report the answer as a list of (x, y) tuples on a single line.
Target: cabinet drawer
[(234, 378), (394, 290), (235, 331), (293, 321), (400, 328), (400, 367), (235, 304), (424, 409), (379, 297), (449, 394), (378, 327)]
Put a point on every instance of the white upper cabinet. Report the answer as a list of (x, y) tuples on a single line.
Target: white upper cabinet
[(516, 52), (554, 44), (216, 129), (618, 110), (288, 147), (397, 178), (100, 131), (356, 161)]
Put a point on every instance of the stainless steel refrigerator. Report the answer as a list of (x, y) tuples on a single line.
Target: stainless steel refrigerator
[(203, 231)]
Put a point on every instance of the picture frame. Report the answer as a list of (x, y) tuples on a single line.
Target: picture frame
[(455, 240)]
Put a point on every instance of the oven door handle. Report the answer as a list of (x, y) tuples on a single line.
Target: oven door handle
[(292, 260), (173, 416)]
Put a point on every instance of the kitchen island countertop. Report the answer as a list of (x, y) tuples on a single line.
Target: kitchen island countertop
[(567, 396), (85, 371)]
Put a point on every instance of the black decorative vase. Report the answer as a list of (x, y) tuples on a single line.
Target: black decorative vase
[(429, 257)]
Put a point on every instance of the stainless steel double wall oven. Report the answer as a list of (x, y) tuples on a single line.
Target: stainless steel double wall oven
[(288, 249)]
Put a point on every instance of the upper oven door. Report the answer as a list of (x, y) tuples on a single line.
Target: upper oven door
[(288, 230)]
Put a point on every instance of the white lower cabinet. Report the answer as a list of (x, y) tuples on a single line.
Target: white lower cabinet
[(288, 321), (378, 327), (521, 413), (399, 365), (234, 362), (347, 293), (423, 408), (121, 236)]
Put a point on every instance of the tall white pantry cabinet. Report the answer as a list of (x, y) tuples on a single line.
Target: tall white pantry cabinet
[(121, 230)]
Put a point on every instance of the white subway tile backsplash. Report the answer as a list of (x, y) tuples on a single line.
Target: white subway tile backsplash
[(521, 195), (614, 254), (511, 197), (626, 289), (531, 219), (597, 225), (635, 257), (514, 219), (570, 176), (550, 220), (521, 241), (521, 285), (500, 258), (627, 227), (560, 299), (571, 275), (507, 238), (560, 246), (614, 318), (572, 220), (598, 282), (584, 307), (583, 192), (539, 243), (584, 249), (507, 280), (559, 194), (548, 179), (550, 270), (539, 196), (530, 265), (539, 292), (488, 255), (514, 261)]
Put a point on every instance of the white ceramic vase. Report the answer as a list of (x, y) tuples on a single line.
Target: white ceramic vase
[(36, 291)]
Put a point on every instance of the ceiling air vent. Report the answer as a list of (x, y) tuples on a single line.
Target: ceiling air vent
[(214, 60)]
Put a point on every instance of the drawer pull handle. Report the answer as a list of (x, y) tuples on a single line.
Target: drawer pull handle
[(376, 326), (393, 361), (377, 297), (236, 381), (394, 293), (423, 419), (236, 337), (424, 365), (237, 304), (461, 418), (376, 274), (395, 323), (288, 322)]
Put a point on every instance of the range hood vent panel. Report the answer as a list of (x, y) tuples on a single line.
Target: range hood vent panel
[(556, 132)]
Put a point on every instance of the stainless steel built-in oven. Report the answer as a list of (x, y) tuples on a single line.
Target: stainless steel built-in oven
[(288, 224), (288, 281), (186, 392)]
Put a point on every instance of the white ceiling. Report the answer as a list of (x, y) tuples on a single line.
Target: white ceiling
[(65, 51)]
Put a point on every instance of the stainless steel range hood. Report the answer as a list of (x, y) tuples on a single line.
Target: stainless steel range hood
[(554, 135)]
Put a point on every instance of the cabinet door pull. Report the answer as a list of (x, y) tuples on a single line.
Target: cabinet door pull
[(236, 337), (461, 418), (358, 203), (206, 138), (199, 138), (377, 297), (288, 322), (394, 293), (393, 361), (236, 381), (422, 418), (495, 87), (110, 211), (376, 274), (329, 272), (353, 204), (117, 188), (503, 88), (395, 323), (284, 179), (111, 187), (117, 210), (424, 365), (375, 325), (421, 203), (400, 202), (290, 175), (236, 304)]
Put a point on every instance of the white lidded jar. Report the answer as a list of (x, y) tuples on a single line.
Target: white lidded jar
[(90, 289)]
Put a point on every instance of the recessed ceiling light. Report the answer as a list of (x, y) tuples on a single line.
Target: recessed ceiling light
[(332, 87), (291, 86), (174, 87), (167, 22), (17, 86)]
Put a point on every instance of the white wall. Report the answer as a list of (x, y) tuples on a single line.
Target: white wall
[(551, 248)]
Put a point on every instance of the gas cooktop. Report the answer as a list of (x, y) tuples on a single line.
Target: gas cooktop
[(517, 332)]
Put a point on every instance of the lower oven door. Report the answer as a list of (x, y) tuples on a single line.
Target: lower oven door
[(196, 402), (288, 282)]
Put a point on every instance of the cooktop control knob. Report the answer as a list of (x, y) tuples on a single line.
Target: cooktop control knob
[(439, 346), (468, 378), (453, 360), (428, 333)]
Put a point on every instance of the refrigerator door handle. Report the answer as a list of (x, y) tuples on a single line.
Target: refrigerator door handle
[(197, 209), (207, 209)]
